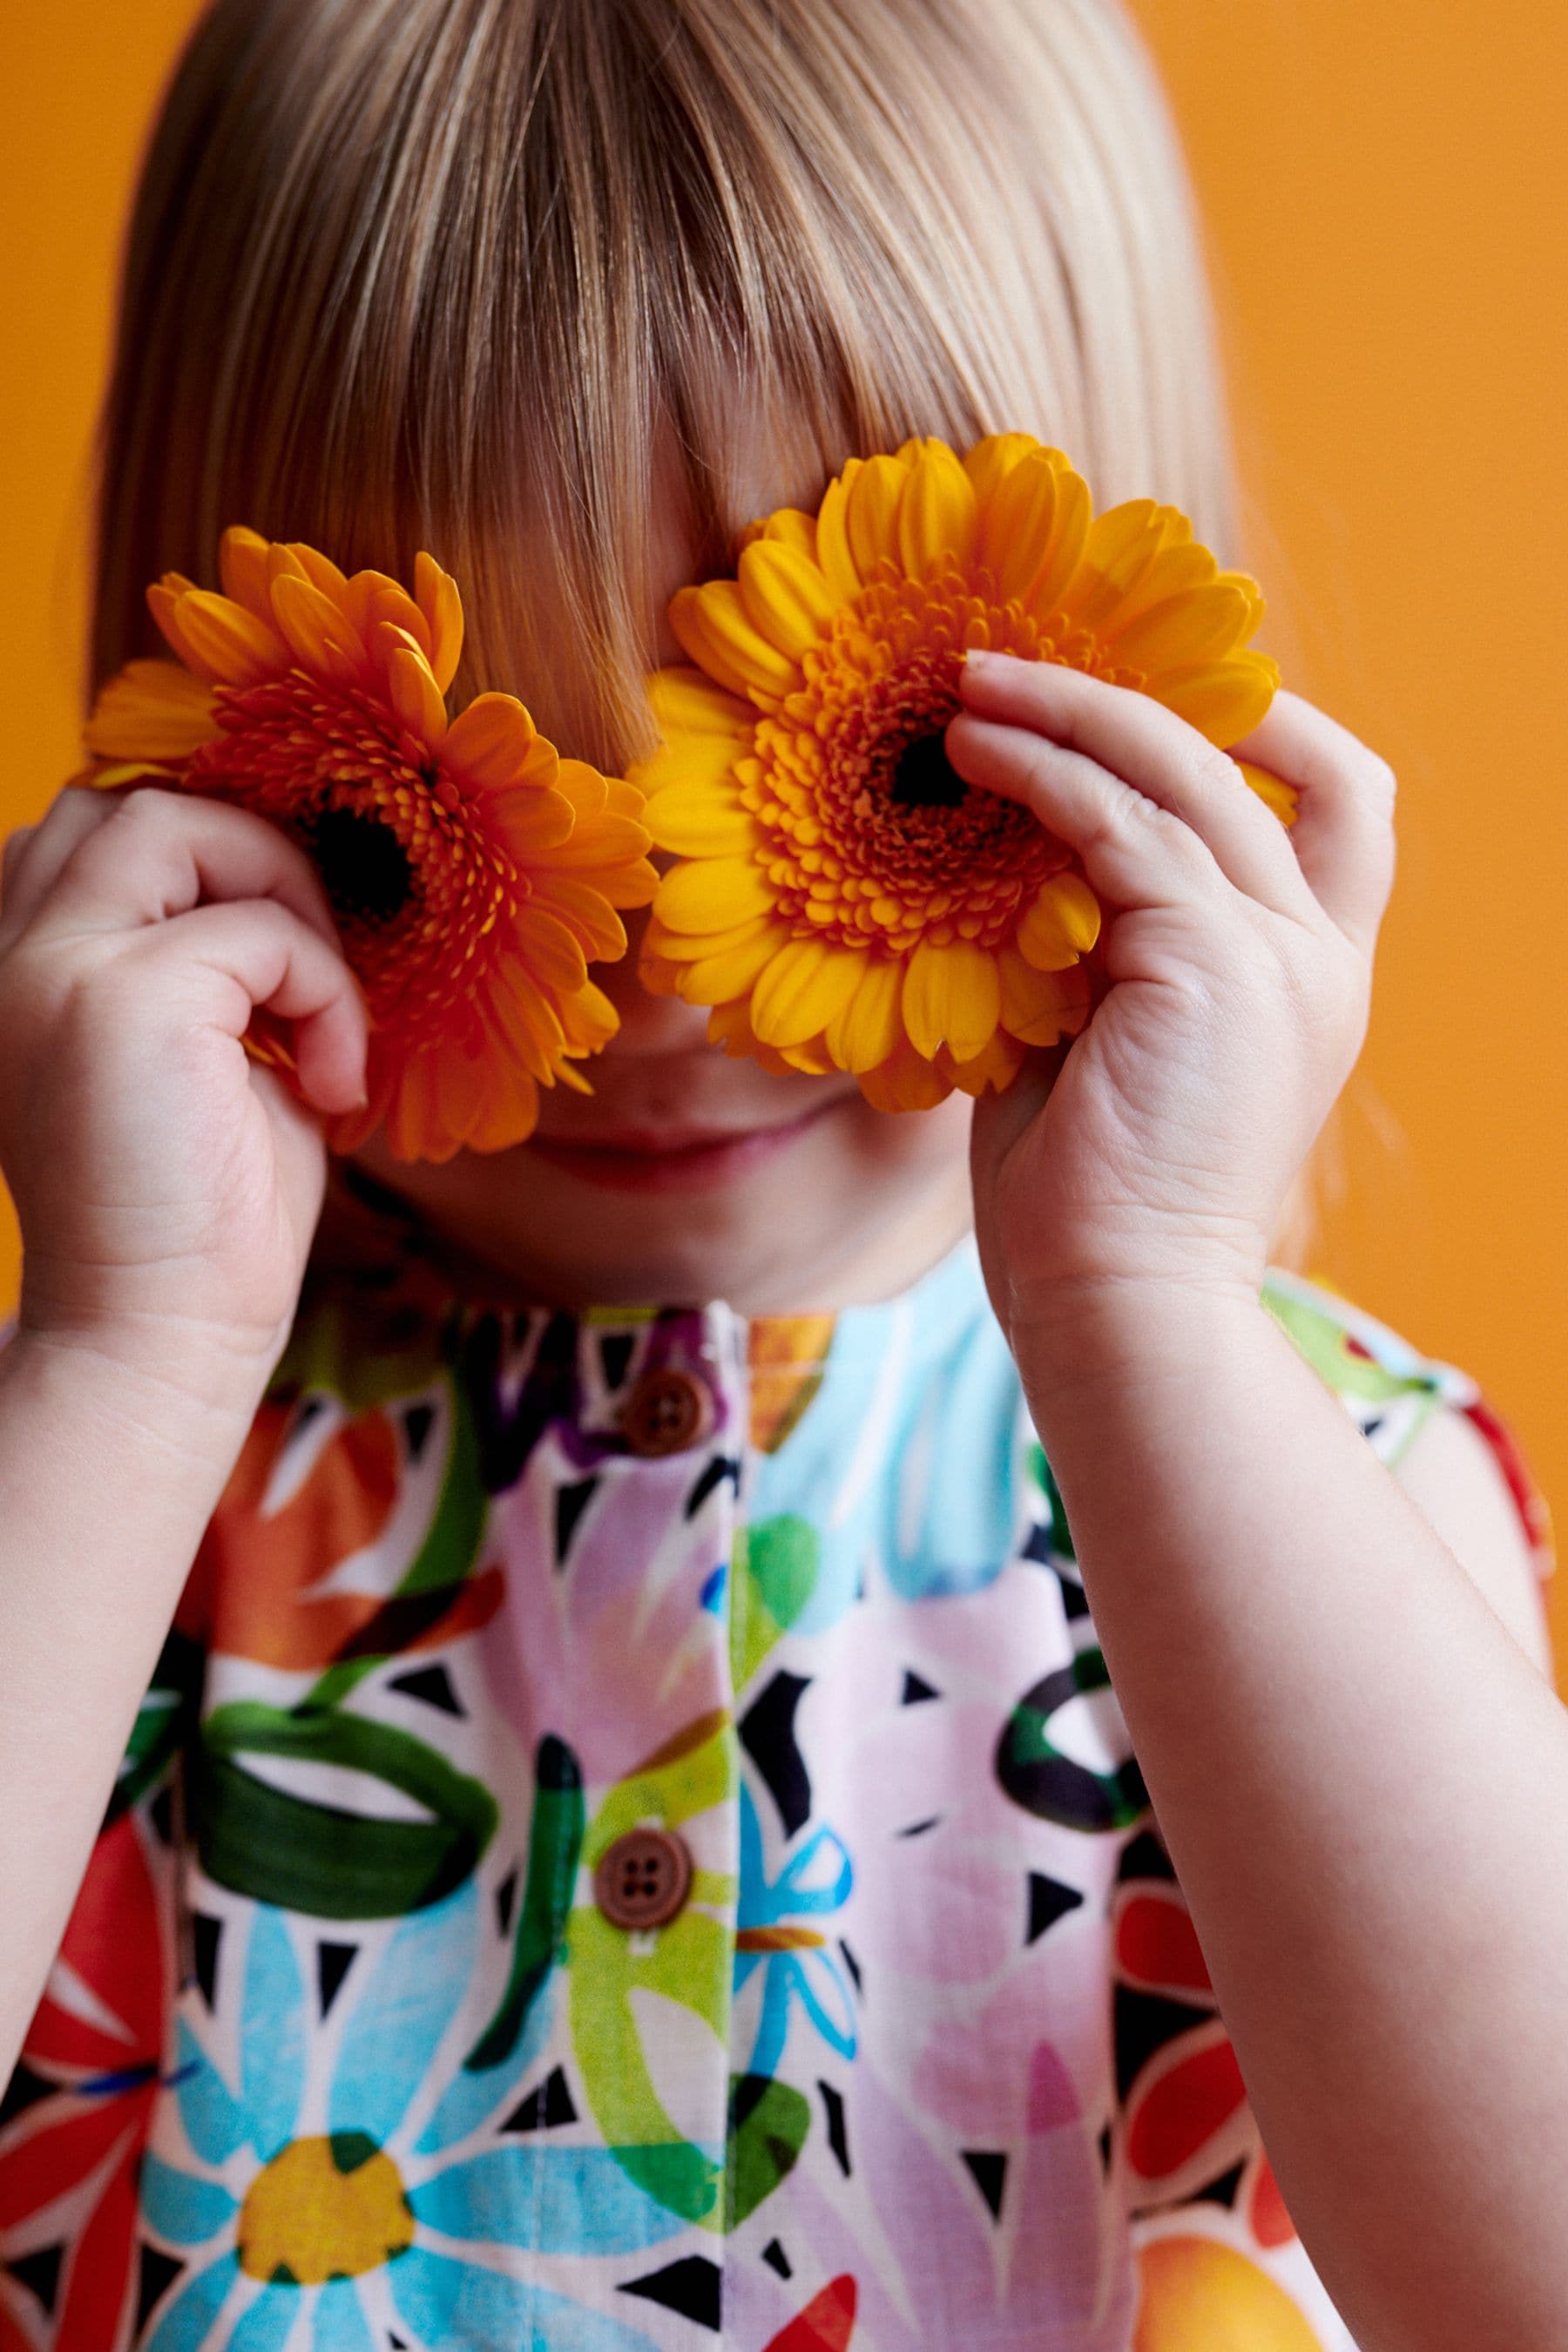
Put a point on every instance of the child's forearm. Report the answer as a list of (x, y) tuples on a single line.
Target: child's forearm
[(108, 1477), (1363, 1784)]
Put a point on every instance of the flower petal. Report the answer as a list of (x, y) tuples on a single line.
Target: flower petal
[(489, 745), (151, 710), (414, 697), (553, 952), (872, 519), (242, 570), (833, 551), (730, 970), (697, 821), (713, 626), (587, 913), (1223, 701), (1197, 625), (1039, 1008), (803, 988), (713, 895), (990, 461), (951, 996), (1273, 792), (1060, 924), (786, 597), (223, 642), (939, 515), (869, 1027), (685, 702), (319, 631), (436, 594)]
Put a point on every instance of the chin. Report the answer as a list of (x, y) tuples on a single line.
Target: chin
[(806, 1200)]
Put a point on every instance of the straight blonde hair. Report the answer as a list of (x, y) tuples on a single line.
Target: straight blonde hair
[(490, 276)]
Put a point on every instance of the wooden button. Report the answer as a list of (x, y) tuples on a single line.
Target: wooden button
[(643, 1879), (666, 1413)]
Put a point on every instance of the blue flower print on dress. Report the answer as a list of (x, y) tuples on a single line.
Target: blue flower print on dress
[(377, 2199), (795, 1961)]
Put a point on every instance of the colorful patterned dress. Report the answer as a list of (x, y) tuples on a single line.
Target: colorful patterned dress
[(631, 1848)]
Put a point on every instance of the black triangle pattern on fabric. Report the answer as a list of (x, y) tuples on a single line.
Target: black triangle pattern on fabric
[(777, 2260), (989, 2167), (506, 1895), (1049, 1900), (1144, 1857), (690, 2286), (157, 2274), (418, 1423), (571, 1502), (333, 1962), (1223, 2191), (723, 1467), (206, 1934), (615, 1356), (545, 2108), (1104, 2145), (916, 1688), (1075, 1600), (161, 1813), (40, 2271), (23, 2090), (431, 1683), (851, 1963), (1145, 2022), (767, 1735), (837, 2138)]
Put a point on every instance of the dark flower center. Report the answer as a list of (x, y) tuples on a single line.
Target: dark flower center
[(364, 867), (924, 777)]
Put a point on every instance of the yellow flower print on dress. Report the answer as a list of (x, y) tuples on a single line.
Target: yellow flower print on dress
[(843, 899)]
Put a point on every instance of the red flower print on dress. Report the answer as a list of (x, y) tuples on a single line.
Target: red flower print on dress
[(69, 2160), (1187, 2119)]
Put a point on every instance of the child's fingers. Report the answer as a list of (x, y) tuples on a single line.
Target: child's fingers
[(159, 854), (1135, 852), (1343, 835), (1156, 753), (35, 854), (270, 958)]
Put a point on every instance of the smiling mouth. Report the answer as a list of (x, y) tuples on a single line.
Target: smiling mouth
[(674, 1158)]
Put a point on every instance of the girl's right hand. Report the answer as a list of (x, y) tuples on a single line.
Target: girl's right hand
[(167, 1185)]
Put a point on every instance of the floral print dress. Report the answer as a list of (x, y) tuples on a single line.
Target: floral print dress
[(631, 1847)]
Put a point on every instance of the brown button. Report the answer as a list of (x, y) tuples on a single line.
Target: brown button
[(666, 1413), (643, 1879)]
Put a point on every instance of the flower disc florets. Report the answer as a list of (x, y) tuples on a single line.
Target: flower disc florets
[(472, 872), (845, 900)]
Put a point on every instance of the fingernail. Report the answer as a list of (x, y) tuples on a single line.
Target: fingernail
[(975, 656)]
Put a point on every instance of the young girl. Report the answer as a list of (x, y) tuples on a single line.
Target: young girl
[(625, 1839)]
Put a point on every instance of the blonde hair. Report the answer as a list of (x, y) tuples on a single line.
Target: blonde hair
[(492, 277)]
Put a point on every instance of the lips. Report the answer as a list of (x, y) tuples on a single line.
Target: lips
[(672, 1158)]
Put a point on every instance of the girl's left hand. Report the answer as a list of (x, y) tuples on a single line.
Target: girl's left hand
[(1158, 1148)]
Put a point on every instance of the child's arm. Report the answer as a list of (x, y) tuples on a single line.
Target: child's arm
[(1361, 1777), (167, 1190)]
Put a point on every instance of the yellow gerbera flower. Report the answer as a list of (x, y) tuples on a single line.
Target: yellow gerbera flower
[(843, 900), (472, 871)]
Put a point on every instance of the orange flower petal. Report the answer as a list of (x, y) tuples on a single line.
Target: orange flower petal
[(319, 633), (222, 641), (435, 593), (786, 597), (151, 710), (414, 697), (242, 570), (953, 996), (489, 744)]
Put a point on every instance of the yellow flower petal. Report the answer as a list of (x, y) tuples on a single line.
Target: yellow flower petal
[(242, 570), (319, 633), (222, 641), (952, 997), (711, 626), (805, 988), (1039, 1008), (906, 1081), (1071, 526), (490, 743), (684, 702), (689, 947), (996, 1068), (705, 762), (990, 461), (833, 551), (1273, 792), (1061, 923), (713, 895), (872, 519), (581, 909), (414, 697), (151, 710), (551, 951), (867, 1029), (699, 821), (1196, 626), (436, 594), (785, 596), (318, 570), (1122, 543), (1223, 701), (939, 515), (730, 971), (1018, 531), (528, 818)]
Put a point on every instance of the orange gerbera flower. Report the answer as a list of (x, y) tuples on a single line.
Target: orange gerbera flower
[(472, 871), (844, 900)]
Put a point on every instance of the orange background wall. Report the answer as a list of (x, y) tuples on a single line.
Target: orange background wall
[(1384, 183)]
